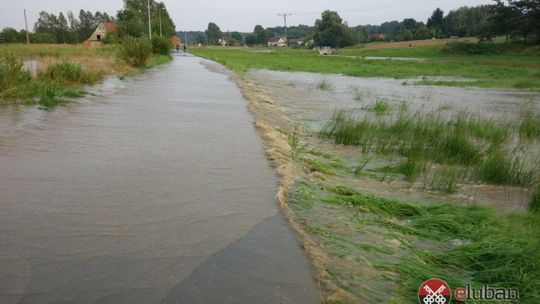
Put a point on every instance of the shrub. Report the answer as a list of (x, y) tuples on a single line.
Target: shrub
[(485, 48), (12, 73), (161, 45), (67, 73), (135, 51)]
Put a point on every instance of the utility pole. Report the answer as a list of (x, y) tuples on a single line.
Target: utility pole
[(26, 23), (160, 28), (285, 15), (149, 22)]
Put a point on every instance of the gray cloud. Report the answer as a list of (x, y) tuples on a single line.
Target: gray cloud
[(243, 15)]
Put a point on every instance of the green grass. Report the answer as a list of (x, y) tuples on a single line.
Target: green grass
[(534, 204), (505, 71), (461, 140), (324, 85), (382, 107), (476, 245), (158, 60), (69, 74), (59, 80), (530, 125)]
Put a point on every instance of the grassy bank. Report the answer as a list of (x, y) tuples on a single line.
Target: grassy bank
[(45, 74), (504, 71)]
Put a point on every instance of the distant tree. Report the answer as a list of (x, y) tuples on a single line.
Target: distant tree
[(237, 37), (331, 31), (362, 33), (133, 19), (10, 35), (422, 33), (260, 34), (467, 21), (403, 34), (529, 22), (213, 33), (505, 21), (62, 30), (437, 20), (410, 24)]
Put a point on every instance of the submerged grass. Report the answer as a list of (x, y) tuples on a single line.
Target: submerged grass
[(478, 245), (461, 140)]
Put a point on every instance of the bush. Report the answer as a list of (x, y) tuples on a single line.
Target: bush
[(135, 51), (67, 73), (486, 48), (161, 45), (12, 73)]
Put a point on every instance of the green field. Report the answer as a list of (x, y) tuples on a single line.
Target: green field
[(509, 70)]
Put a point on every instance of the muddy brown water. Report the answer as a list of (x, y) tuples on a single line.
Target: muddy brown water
[(156, 191)]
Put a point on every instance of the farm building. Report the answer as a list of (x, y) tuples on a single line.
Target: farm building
[(101, 32), (176, 41), (277, 42)]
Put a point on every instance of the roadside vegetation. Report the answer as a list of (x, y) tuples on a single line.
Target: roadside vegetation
[(54, 72)]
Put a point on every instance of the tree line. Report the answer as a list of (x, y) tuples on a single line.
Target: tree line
[(132, 20), (518, 19)]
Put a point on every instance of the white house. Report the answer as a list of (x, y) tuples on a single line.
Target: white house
[(277, 42)]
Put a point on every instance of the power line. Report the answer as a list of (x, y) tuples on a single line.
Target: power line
[(285, 15)]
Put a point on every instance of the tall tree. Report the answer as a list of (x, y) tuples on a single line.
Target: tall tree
[(436, 21), (530, 21), (260, 34), (213, 33), (331, 31)]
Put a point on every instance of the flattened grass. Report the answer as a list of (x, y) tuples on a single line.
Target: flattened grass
[(476, 245)]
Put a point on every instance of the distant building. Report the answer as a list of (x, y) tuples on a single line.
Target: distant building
[(222, 42), (176, 41), (101, 32), (277, 42), (377, 37)]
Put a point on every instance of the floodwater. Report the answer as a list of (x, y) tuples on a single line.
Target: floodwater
[(298, 93), (154, 191), (300, 96)]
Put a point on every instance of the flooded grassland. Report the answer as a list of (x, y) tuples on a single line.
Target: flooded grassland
[(390, 183)]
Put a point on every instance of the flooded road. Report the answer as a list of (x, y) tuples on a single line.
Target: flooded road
[(158, 193)]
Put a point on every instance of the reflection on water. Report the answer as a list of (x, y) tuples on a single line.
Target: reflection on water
[(120, 198)]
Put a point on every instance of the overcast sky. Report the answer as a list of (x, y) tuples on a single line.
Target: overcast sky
[(243, 15)]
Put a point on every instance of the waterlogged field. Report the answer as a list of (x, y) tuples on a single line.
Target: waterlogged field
[(511, 69), (393, 183), (44, 74)]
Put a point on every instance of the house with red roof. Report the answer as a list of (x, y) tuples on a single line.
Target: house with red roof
[(101, 32), (176, 41)]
